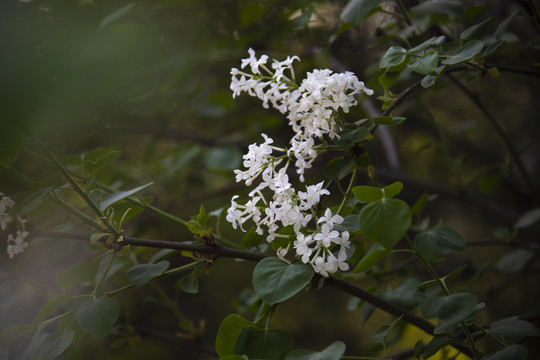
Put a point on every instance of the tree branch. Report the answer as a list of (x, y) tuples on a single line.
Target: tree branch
[(224, 251)]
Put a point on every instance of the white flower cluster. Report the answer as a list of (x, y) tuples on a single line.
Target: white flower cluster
[(312, 110), (16, 244)]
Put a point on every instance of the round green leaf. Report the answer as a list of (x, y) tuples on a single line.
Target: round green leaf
[(527, 219), (332, 352), (55, 344), (348, 138), (470, 49), (337, 169), (514, 261), (140, 274), (385, 221), (257, 343), (51, 306), (251, 238), (190, 284), (375, 254), (511, 352), (96, 316), (229, 331), (513, 327), (434, 244), (450, 310), (426, 64), (394, 56), (275, 281), (77, 274), (367, 194), (392, 190)]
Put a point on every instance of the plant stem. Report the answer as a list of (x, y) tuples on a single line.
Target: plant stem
[(166, 273), (444, 288), (75, 186), (348, 191), (103, 275)]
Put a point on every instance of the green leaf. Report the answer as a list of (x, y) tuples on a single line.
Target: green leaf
[(503, 26), (223, 159), (140, 274), (257, 343), (428, 81), (348, 138), (275, 281), (95, 237), (228, 333), (194, 227), (115, 15), (388, 120), (475, 30), (251, 238), (387, 79), (468, 51), (96, 316), (514, 261), (439, 241), (450, 310), (513, 327), (382, 333), (357, 10), (337, 169), (385, 221), (441, 7), (427, 64), (393, 57), (97, 157), (511, 352), (420, 204), (56, 344), (437, 343), (434, 41), (160, 254), (493, 48), (77, 274), (332, 352), (375, 254), (350, 223), (51, 306), (190, 284), (406, 295), (392, 190), (117, 196), (201, 216), (527, 219), (367, 194)]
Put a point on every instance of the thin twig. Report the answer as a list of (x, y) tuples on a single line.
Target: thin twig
[(500, 131)]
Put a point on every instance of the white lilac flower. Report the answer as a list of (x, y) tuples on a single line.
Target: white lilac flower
[(17, 244), (330, 219), (6, 205), (253, 62), (311, 109)]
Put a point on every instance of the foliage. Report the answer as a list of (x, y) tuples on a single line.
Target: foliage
[(405, 232)]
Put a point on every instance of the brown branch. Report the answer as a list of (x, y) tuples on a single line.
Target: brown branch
[(223, 251)]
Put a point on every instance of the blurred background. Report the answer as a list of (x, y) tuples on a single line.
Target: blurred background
[(151, 79)]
